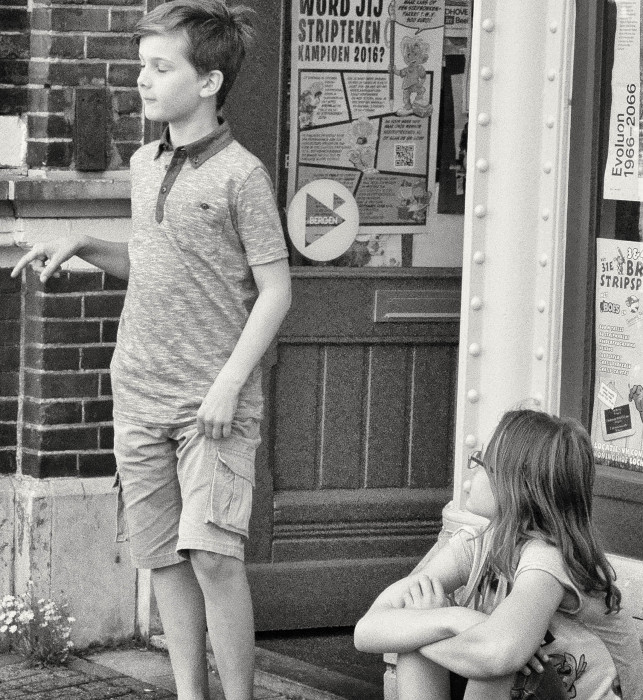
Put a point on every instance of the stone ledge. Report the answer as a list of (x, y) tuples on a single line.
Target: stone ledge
[(66, 195)]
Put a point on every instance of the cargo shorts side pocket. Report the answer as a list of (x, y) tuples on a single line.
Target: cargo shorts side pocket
[(230, 501), (122, 534)]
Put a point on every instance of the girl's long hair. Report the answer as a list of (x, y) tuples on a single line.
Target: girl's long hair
[(541, 470)]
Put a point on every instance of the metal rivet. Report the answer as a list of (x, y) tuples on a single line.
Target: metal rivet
[(483, 119), (476, 303), (547, 167), (204, 205), (470, 440), (478, 257), (541, 306), (540, 353), (545, 214), (543, 260), (482, 164), (488, 25), (550, 122), (480, 211), (474, 349), (486, 73), (553, 27), (551, 76), (473, 396)]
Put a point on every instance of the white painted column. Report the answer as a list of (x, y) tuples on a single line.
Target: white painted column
[(515, 216)]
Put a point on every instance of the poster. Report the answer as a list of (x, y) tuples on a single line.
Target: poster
[(617, 419), (457, 18), (624, 167), (365, 92)]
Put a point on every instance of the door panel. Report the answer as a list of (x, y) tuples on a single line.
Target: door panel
[(358, 440)]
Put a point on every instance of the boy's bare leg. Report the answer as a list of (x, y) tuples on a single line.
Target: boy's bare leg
[(230, 619), (182, 609), (419, 678)]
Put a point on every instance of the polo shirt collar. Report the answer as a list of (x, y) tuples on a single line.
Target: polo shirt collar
[(203, 149)]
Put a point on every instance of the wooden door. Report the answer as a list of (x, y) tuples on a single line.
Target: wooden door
[(356, 463)]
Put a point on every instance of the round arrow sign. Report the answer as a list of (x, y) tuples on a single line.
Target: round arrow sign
[(323, 220)]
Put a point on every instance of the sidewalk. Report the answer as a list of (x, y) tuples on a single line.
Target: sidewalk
[(132, 674)]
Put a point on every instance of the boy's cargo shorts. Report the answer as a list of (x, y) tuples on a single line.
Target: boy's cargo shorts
[(178, 490)]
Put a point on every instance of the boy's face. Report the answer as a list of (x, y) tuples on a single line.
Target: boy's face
[(169, 85)]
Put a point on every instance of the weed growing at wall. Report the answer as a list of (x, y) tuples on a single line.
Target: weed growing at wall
[(37, 628)]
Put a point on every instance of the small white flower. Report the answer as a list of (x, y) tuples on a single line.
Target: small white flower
[(13, 628), (3, 629)]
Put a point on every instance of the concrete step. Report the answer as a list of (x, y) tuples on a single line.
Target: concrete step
[(296, 679)]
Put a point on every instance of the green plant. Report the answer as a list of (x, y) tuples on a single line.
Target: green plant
[(39, 629)]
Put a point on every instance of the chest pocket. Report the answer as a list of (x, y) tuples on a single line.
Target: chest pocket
[(195, 224)]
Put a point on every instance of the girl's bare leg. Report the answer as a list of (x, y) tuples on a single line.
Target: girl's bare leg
[(419, 678), (492, 689)]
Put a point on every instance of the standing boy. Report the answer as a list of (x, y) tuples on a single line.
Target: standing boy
[(208, 288)]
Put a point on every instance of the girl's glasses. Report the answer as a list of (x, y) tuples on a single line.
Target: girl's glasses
[(475, 460)]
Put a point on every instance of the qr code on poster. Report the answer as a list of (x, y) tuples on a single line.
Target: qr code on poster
[(404, 155)]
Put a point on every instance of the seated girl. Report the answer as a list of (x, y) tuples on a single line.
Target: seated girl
[(538, 613)]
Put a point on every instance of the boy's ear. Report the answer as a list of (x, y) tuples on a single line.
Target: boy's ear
[(212, 83)]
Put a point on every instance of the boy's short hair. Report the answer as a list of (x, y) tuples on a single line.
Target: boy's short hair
[(217, 35)]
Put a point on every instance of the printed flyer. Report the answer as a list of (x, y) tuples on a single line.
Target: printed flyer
[(617, 420), (365, 100), (457, 18), (624, 168)]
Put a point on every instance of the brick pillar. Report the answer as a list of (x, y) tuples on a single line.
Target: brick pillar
[(14, 55), (51, 51), (9, 369), (70, 332)]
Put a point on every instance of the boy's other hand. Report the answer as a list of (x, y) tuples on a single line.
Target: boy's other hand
[(46, 258), (214, 418)]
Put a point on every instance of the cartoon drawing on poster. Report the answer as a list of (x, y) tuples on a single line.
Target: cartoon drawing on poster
[(617, 420), (365, 77)]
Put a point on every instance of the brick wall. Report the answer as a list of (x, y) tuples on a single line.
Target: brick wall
[(9, 369), (54, 50), (70, 332)]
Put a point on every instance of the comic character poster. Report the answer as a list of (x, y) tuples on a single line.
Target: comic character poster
[(617, 420), (365, 87)]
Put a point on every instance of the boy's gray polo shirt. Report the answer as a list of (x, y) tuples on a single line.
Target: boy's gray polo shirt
[(191, 286)]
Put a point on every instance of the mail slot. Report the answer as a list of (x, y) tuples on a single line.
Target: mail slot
[(418, 306)]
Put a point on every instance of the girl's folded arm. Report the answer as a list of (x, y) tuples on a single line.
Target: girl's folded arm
[(400, 630), (390, 627), (505, 641)]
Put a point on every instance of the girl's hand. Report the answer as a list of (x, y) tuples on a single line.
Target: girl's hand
[(535, 663), (425, 593)]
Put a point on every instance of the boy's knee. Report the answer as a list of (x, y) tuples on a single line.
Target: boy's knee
[(215, 565)]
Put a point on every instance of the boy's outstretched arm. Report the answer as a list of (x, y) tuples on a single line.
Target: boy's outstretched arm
[(46, 258), (214, 418)]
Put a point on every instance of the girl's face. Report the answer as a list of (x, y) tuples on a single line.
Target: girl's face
[(480, 498)]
